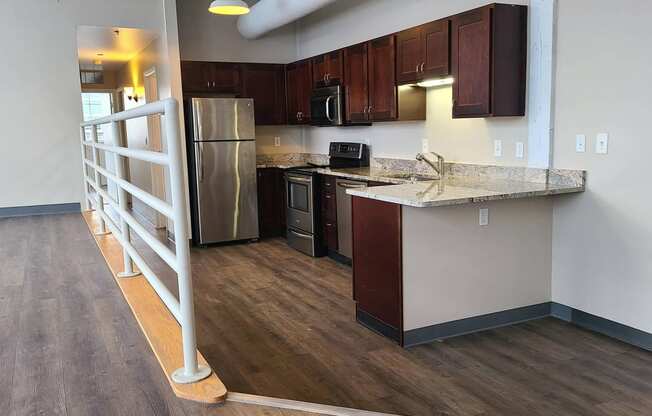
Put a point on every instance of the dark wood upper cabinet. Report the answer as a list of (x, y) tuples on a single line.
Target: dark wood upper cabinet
[(265, 83), (423, 52), (408, 55), (436, 49), (489, 51), (211, 77), (299, 90), (370, 81), (328, 69), (382, 79), (356, 90)]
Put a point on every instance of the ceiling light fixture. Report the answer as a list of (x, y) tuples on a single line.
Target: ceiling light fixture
[(436, 82), (229, 7)]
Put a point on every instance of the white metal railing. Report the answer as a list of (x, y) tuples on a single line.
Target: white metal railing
[(178, 260)]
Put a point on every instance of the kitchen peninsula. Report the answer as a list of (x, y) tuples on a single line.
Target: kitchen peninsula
[(435, 259)]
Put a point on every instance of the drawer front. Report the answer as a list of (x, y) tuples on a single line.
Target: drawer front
[(330, 234), (329, 207), (301, 241), (327, 184)]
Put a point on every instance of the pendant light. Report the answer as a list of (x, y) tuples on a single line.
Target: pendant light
[(229, 7)]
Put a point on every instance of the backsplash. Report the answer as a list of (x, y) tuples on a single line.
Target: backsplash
[(513, 173)]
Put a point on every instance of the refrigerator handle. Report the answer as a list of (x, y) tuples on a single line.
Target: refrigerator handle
[(200, 161)]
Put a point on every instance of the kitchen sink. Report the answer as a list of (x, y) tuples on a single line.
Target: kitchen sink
[(412, 177)]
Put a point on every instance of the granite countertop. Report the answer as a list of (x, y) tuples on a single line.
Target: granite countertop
[(464, 183), (460, 190)]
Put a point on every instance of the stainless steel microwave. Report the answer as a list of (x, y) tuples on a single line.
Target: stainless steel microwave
[(326, 106)]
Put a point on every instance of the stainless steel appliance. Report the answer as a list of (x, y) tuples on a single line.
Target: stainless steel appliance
[(221, 147), (302, 212), (303, 196), (326, 106), (344, 226)]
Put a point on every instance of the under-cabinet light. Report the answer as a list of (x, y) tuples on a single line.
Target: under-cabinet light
[(436, 82), (229, 7)]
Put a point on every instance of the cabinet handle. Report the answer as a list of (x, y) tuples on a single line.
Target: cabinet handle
[(422, 65), (370, 108), (417, 69), (208, 84)]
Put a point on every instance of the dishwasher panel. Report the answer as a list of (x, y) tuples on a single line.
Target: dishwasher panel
[(344, 226)]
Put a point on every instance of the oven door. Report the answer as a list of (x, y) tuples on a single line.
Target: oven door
[(299, 202), (325, 110)]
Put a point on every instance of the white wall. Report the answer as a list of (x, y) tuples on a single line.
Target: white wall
[(207, 37), (463, 140), (602, 250), (40, 111)]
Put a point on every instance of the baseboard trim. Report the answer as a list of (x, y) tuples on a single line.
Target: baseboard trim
[(50, 209), (445, 330), (604, 326), (376, 325)]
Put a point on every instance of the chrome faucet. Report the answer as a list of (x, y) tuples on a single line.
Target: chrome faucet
[(437, 165)]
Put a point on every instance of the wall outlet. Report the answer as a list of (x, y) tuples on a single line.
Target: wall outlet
[(484, 216), (520, 150), (277, 141), (425, 146), (602, 143), (498, 148), (580, 143)]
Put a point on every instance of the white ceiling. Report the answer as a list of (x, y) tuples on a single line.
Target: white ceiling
[(117, 48)]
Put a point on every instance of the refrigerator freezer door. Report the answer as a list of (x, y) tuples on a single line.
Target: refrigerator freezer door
[(223, 119), (226, 191)]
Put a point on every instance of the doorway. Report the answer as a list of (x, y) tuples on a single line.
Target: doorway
[(155, 142)]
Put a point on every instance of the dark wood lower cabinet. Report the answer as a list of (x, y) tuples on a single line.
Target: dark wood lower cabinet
[(329, 212), (377, 265), (271, 202)]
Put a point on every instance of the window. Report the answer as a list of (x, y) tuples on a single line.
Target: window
[(96, 105)]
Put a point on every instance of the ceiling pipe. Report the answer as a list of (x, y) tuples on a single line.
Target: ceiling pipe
[(267, 15)]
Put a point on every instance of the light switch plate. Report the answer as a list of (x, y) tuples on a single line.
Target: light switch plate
[(602, 144), (520, 150), (498, 148), (484, 216), (277, 141), (580, 143)]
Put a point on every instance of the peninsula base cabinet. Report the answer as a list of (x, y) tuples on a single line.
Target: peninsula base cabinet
[(377, 266), (423, 274)]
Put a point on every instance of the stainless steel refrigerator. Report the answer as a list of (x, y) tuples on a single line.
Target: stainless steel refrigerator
[(220, 133)]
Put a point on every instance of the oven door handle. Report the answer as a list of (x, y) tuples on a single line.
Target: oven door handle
[(328, 110), (298, 179), (301, 235)]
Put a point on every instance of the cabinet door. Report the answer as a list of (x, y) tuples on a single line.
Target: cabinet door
[(436, 56), (409, 55), (357, 83), (382, 80), (225, 77), (267, 209), (471, 48), (377, 261), (327, 69), (195, 77), (299, 89), (265, 83)]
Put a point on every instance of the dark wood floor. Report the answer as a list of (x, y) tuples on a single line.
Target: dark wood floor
[(274, 322), (69, 344)]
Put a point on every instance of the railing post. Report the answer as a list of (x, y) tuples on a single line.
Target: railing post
[(87, 202), (99, 200), (120, 172), (191, 371)]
